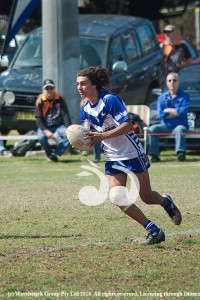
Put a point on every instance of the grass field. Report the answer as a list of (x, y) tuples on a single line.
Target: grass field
[(53, 246)]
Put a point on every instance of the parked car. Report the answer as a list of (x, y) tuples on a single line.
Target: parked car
[(190, 83), (195, 54), (126, 45)]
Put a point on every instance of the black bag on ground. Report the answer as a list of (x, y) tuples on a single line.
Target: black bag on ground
[(20, 148)]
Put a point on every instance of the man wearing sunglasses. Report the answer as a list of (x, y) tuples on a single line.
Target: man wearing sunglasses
[(52, 120), (172, 109)]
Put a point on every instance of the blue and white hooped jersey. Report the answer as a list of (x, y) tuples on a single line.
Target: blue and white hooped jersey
[(108, 113)]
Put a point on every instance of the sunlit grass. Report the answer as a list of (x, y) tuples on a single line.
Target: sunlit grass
[(50, 241)]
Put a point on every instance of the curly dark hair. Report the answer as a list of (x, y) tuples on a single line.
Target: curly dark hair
[(98, 76)]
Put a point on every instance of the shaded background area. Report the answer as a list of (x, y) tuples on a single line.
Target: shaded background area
[(161, 12)]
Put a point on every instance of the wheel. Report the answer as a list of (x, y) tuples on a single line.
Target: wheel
[(22, 132), (150, 96)]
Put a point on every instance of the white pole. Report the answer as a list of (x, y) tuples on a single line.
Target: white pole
[(61, 49), (197, 23)]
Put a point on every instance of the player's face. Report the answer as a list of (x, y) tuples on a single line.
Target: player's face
[(85, 87)]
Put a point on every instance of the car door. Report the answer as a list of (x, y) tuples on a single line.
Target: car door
[(135, 76), (126, 48), (152, 60), (116, 54)]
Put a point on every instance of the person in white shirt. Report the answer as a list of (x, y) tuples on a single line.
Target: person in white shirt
[(106, 113)]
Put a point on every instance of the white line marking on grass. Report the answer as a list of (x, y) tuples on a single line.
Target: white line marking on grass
[(75, 246)]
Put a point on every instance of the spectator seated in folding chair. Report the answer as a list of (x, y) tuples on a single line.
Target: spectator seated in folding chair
[(172, 109)]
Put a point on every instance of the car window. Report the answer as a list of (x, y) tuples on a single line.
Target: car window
[(131, 47), (92, 52), (116, 52), (147, 39), (191, 86), (31, 54)]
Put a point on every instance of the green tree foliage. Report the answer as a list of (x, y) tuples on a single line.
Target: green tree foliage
[(5, 7), (152, 10)]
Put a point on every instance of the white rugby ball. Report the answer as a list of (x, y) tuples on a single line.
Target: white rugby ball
[(75, 134)]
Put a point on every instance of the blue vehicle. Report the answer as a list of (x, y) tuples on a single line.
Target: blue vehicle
[(126, 45)]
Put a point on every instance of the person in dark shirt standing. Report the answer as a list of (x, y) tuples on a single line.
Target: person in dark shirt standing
[(52, 119)]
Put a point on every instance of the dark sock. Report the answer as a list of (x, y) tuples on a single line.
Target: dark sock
[(150, 226)]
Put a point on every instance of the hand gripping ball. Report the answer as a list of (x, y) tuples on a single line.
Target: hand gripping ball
[(75, 134)]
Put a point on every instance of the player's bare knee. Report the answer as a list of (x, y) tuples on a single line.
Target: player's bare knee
[(118, 197)]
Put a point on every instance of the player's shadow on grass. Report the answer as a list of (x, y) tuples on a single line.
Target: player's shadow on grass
[(195, 152), (67, 161), (191, 156), (29, 236), (172, 160), (60, 160)]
